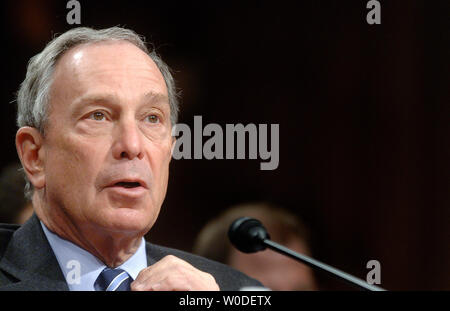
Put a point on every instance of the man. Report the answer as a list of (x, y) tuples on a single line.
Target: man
[(274, 270), (95, 114)]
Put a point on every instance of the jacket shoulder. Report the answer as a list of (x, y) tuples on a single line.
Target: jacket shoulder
[(6, 233), (227, 278)]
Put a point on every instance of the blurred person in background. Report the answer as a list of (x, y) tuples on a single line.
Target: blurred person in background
[(274, 270), (15, 208)]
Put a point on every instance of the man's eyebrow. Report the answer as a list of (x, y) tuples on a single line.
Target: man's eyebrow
[(111, 99), (81, 102), (96, 97), (155, 97)]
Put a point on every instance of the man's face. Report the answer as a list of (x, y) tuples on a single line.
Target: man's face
[(108, 139)]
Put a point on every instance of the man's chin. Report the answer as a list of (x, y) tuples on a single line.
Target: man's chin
[(127, 221)]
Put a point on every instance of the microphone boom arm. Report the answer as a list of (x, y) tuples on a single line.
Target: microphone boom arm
[(249, 235), (322, 266)]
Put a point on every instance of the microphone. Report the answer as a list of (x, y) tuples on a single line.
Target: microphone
[(249, 235)]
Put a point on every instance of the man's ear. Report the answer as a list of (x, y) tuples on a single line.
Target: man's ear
[(29, 145)]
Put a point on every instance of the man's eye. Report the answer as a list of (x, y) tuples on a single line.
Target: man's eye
[(153, 118), (97, 116)]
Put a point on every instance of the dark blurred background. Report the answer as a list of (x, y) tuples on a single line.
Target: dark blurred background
[(363, 114)]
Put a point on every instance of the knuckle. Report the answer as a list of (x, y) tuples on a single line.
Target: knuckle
[(180, 269), (172, 281), (171, 259), (134, 286), (210, 278)]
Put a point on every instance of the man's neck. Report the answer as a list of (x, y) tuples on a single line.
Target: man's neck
[(112, 248)]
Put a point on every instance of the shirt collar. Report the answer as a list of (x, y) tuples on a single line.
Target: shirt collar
[(81, 268)]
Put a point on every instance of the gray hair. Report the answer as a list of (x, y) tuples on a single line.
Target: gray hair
[(33, 95)]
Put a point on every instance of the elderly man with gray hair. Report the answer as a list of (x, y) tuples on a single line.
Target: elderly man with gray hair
[(95, 114)]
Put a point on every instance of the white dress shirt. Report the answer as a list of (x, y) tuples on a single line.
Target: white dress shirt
[(81, 268)]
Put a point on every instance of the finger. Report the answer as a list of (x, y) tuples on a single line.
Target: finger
[(158, 271)]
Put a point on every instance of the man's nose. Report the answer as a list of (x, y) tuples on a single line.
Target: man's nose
[(128, 141)]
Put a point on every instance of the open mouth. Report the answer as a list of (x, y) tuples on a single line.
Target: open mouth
[(127, 184)]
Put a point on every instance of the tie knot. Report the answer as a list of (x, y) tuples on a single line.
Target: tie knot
[(113, 280)]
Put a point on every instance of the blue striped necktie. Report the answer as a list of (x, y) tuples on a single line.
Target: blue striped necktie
[(113, 280)]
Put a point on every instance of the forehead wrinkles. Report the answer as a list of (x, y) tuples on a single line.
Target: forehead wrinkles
[(111, 64), (107, 60)]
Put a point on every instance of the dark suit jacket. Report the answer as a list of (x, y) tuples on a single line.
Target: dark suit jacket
[(27, 261)]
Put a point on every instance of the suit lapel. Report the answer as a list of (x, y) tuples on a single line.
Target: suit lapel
[(30, 259), (150, 258)]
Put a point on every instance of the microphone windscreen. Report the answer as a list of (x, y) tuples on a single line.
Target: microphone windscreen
[(247, 235)]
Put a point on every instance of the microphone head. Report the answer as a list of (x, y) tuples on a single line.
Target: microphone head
[(247, 235)]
